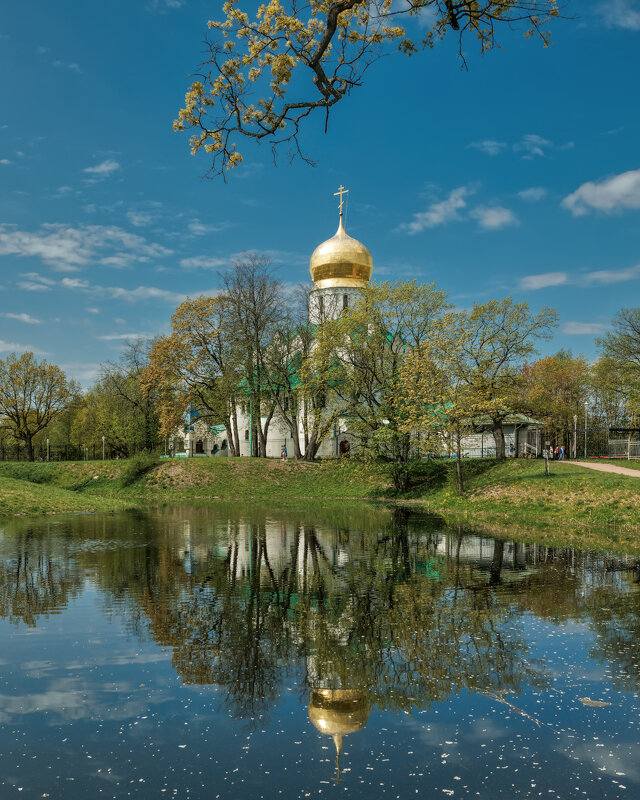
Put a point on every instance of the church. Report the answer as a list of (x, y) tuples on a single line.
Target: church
[(340, 267)]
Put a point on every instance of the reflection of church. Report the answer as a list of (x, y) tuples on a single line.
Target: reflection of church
[(339, 267)]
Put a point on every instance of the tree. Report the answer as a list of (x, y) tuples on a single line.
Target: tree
[(440, 400), (197, 364), (32, 394), (498, 337), (253, 305), (361, 353), (554, 389), (300, 59)]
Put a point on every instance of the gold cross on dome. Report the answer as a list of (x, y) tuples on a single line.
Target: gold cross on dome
[(341, 191)]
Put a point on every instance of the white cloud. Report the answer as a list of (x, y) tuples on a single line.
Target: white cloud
[(490, 147), (532, 145), (494, 217), (73, 66), (68, 249), (139, 218), (14, 347), (35, 282), (23, 317), (202, 262), (534, 194), (580, 328), (5, 162), (198, 228), (163, 5), (93, 310), (114, 337), (604, 277), (621, 14), (142, 293), (104, 169), (439, 213), (543, 280), (74, 283), (611, 194)]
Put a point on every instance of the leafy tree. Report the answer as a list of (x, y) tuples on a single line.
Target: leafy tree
[(32, 395), (198, 363), (554, 389), (265, 75), (498, 337), (360, 356)]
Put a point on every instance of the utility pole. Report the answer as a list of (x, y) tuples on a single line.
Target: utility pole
[(586, 409), (575, 435)]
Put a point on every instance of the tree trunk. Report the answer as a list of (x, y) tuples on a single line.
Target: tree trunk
[(498, 436), (496, 562), (28, 443), (234, 429)]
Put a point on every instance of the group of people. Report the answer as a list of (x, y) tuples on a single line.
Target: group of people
[(557, 453)]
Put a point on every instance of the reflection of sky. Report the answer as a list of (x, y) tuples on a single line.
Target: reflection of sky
[(87, 707)]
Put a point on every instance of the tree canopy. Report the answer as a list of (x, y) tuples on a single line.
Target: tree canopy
[(266, 73)]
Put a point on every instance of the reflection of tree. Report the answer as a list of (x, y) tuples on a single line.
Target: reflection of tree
[(382, 606), (35, 580)]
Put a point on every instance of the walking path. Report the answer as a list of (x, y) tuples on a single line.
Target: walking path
[(634, 473)]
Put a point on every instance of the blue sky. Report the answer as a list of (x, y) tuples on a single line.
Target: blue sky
[(519, 176)]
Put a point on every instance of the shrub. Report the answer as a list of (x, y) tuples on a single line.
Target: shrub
[(135, 468)]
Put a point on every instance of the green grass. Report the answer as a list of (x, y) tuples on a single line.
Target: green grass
[(19, 497), (570, 507)]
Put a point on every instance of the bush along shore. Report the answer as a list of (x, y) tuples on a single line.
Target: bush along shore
[(513, 498)]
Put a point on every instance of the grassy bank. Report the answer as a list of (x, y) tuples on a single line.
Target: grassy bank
[(515, 498), (22, 498)]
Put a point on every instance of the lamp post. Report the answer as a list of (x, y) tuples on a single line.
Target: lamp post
[(103, 448), (47, 448), (586, 408), (575, 435)]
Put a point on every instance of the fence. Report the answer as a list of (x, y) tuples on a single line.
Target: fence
[(66, 452)]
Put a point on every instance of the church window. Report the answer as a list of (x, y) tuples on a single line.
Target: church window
[(321, 307), (345, 301), (246, 436)]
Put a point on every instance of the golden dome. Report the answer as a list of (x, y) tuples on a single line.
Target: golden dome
[(338, 712), (341, 261)]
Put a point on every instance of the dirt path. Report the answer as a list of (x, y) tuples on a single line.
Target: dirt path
[(634, 473)]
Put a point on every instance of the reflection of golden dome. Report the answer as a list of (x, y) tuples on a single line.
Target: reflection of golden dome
[(338, 712), (341, 261)]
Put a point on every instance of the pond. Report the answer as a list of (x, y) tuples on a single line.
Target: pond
[(238, 653)]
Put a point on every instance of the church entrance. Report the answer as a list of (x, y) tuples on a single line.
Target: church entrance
[(199, 446), (345, 447)]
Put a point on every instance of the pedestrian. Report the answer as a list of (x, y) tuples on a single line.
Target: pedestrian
[(561, 453), (556, 453), (284, 451), (512, 449)]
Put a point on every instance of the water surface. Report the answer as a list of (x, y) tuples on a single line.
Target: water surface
[(237, 653)]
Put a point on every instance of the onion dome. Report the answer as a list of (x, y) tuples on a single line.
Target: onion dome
[(341, 261), (338, 712)]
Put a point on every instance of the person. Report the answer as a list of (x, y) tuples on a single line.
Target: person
[(512, 449), (556, 453), (561, 453), (284, 451)]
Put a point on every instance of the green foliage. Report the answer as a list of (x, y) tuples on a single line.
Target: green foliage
[(135, 468)]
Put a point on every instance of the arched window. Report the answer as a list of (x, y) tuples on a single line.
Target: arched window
[(246, 436), (223, 446), (345, 301), (321, 306)]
